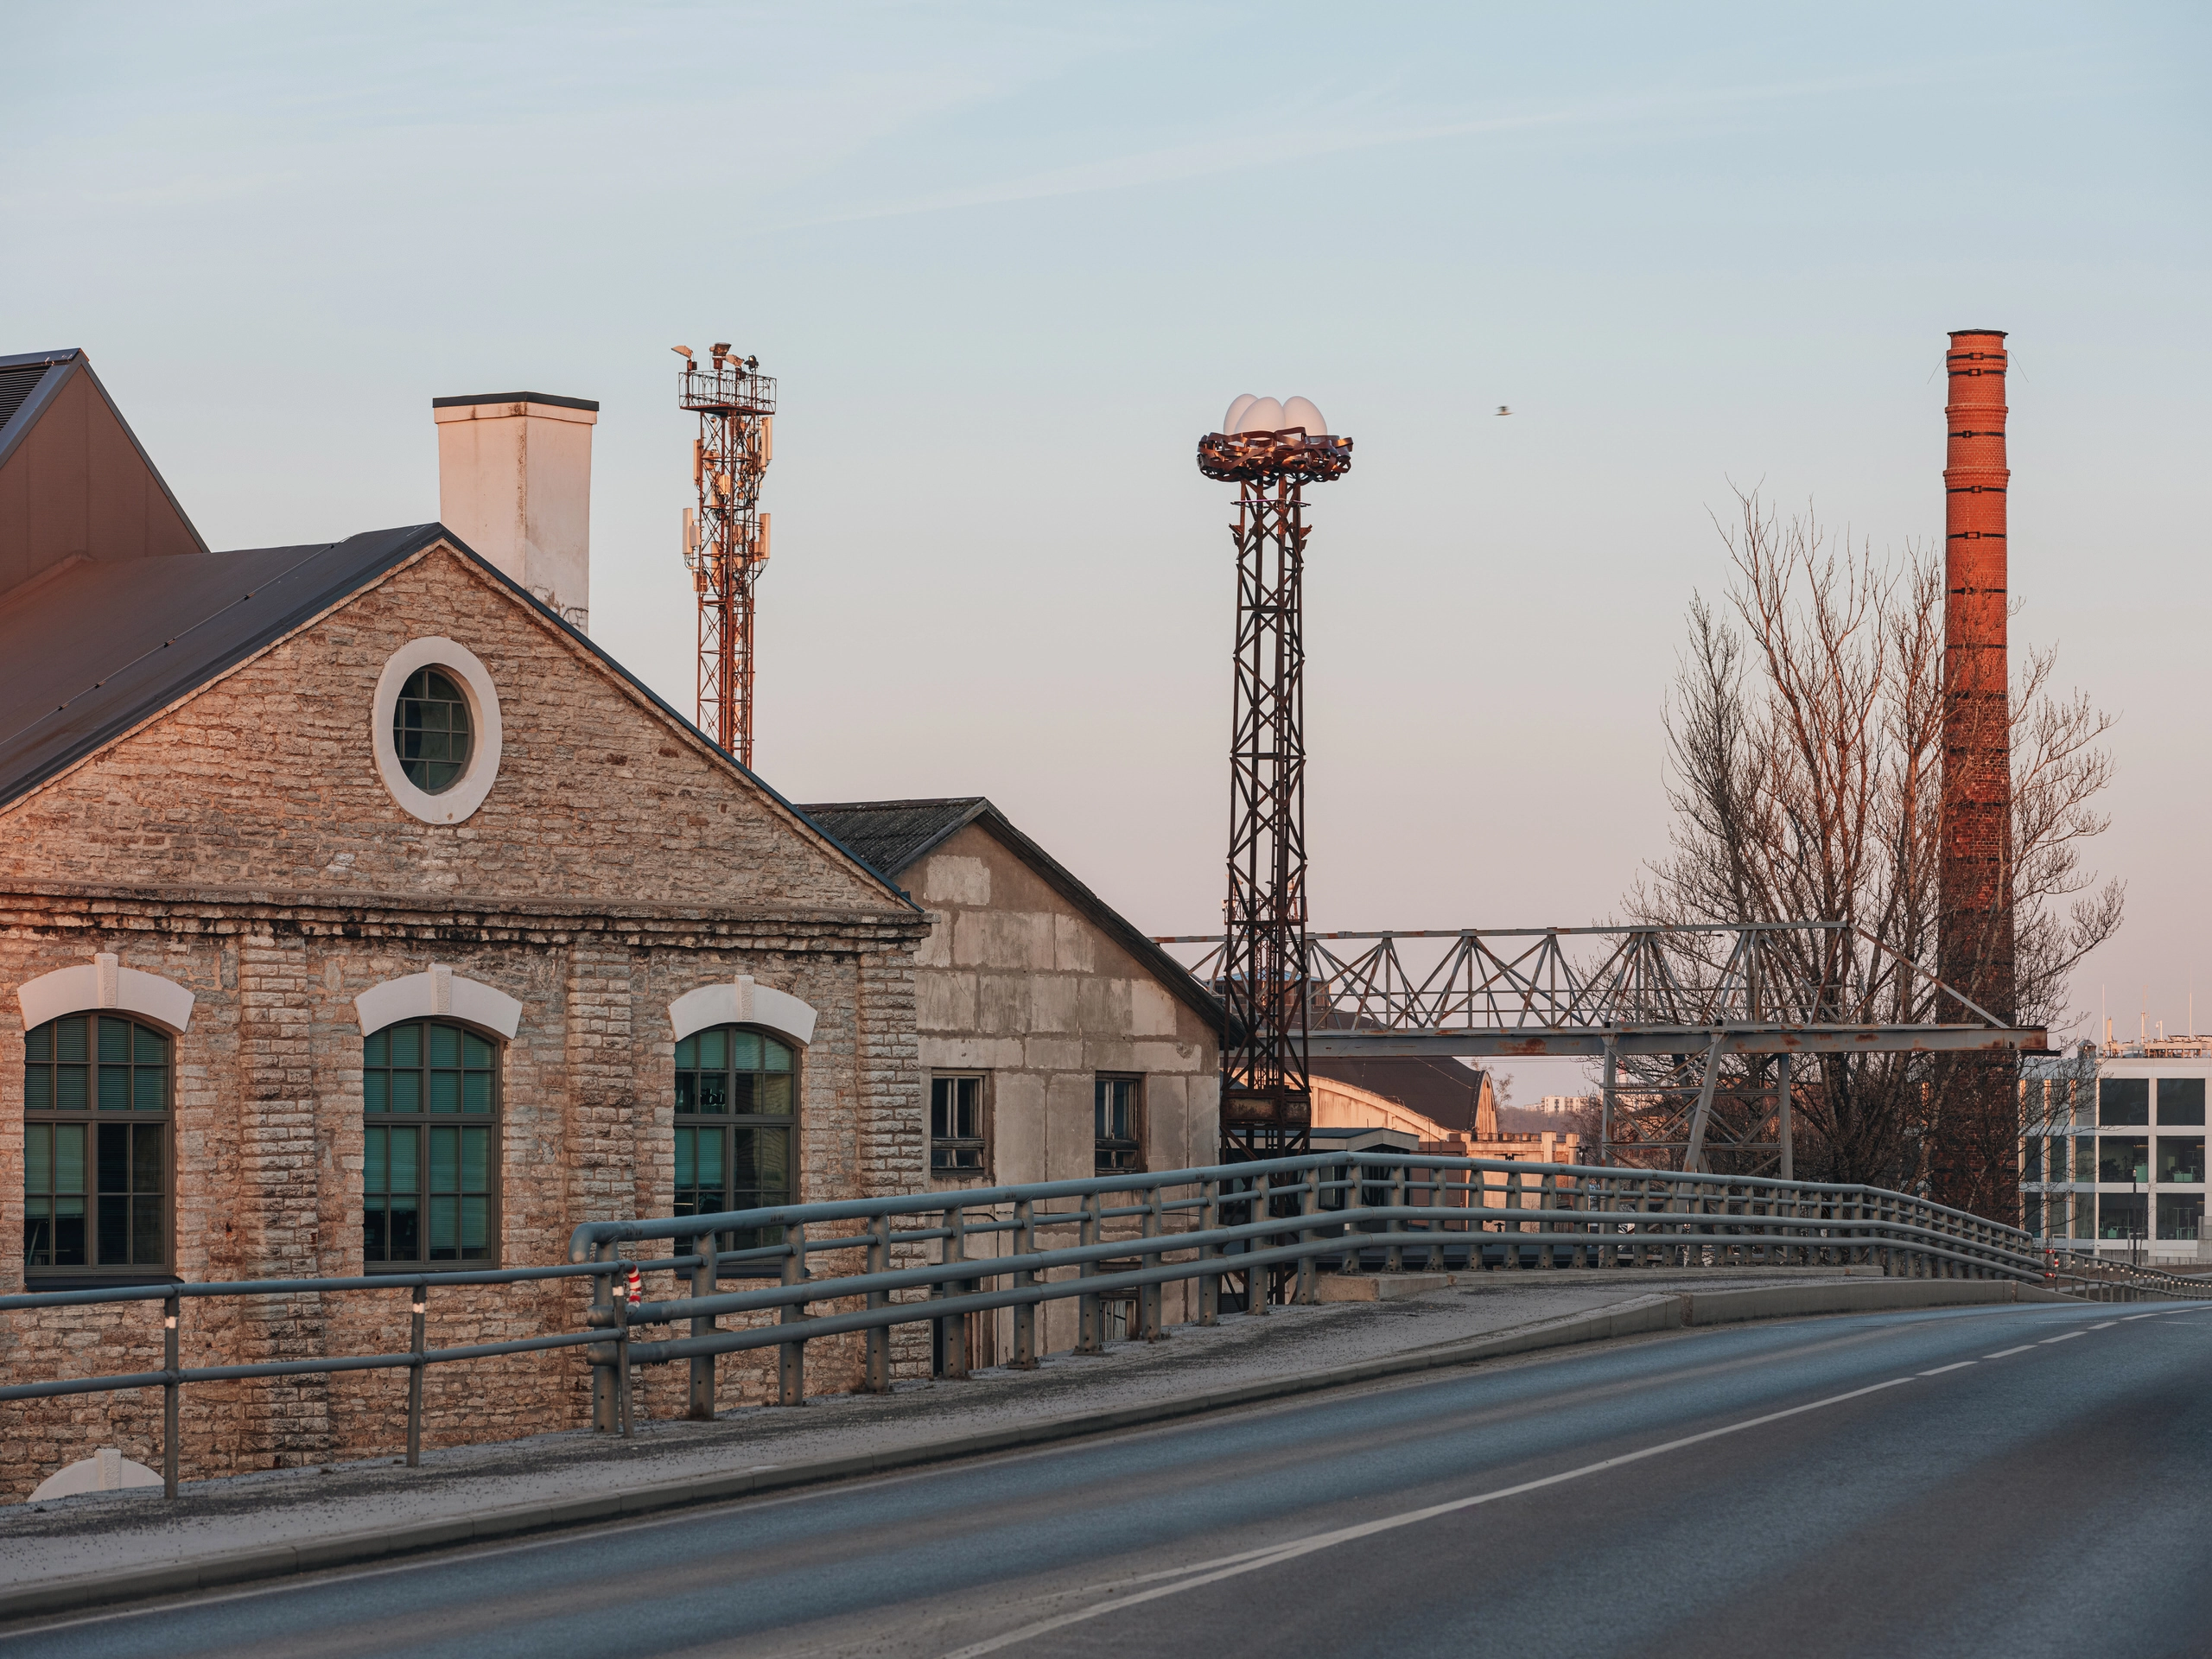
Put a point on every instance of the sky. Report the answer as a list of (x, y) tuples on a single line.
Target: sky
[(1009, 262)]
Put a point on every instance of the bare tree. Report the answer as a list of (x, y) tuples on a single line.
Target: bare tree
[(1804, 734)]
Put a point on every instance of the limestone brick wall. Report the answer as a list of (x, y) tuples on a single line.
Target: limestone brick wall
[(244, 847), (1017, 983)]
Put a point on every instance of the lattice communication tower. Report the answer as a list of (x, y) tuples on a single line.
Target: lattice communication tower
[(726, 536), (1266, 1099)]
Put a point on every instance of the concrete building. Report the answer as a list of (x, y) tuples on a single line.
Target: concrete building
[(358, 913), (1056, 1041), (2112, 1156)]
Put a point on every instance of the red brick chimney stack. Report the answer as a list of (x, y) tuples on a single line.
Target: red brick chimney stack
[(1975, 937)]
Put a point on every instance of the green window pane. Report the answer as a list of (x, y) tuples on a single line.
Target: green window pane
[(714, 1051), (744, 1052), (445, 1229), (445, 1091), (148, 1046), (376, 1092), (72, 1087), (38, 1158), (38, 1046), (710, 1158), (115, 1041), (445, 1160), (686, 1054), (114, 1144), (376, 1160), (38, 1089), (475, 1051), (146, 1230), (778, 1058), (113, 1219), (445, 1045), (760, 1169), (476, 1092), (404, 1222), (475, 1227), (377, 1049), (114, 1088), (775, 1096), (69, 1157), (375, 1243), (150, 1089), (406, 1091), (41, 1207), (740, 1097), (687, 1141), (687, 1092), (407, 1044), (714, 1090), (73, 1039), (476, 1160), (146, 1158), (406, 1149)]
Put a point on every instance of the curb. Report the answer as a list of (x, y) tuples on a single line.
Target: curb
[(1638, 1316)]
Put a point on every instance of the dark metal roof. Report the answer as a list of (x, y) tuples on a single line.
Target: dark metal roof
[(91, 648), (895, 835), (1436, 1087)]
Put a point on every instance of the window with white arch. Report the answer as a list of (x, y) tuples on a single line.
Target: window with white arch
[(736, 1129), (430, 1146), (97, 1164)]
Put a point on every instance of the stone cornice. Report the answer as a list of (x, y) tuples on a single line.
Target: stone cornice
[(455, 918)]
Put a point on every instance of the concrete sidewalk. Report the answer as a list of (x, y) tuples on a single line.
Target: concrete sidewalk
[(102, 1548)]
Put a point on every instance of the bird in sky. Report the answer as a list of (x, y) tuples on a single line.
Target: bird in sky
[(1502, 409)]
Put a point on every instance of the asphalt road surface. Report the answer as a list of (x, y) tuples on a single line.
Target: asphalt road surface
[(2006, 1481)]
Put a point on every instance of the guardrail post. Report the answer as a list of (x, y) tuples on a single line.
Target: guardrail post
[(1090, 1335), (790, 1356), (702, 1406), (1309, 1204), (879, 1337), (1547, 1195), (622, 1361), (418, 1306), (172, 1388), (1513, 1227), (1025, 1313), (606, 1408), (1209, 1283), (1393, 1259), (1150, 1328), (953, 1328)]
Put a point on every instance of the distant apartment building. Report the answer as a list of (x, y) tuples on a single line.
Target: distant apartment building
[(2112, 1155)]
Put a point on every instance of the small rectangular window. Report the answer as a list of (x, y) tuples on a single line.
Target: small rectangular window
[(2181, 1161), (2123, 1158), (2123, 1215), (2180, 1216), (1118, 1119), (956, 1146)]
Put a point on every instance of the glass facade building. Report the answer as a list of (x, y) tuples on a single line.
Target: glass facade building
[(2111, 1152)]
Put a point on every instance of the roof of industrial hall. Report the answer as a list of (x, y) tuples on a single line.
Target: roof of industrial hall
[(895, 835)]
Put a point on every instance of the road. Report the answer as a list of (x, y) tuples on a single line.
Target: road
[(2016, 1480)]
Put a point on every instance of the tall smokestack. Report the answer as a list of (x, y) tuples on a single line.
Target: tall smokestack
[(1975, 936)]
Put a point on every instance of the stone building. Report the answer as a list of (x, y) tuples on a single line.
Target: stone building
[(358, 913), (1056, 1041)]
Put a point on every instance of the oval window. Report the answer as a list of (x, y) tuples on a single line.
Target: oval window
[(431, 730)]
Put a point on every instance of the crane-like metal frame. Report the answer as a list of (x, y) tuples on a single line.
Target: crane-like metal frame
[(726, 536)]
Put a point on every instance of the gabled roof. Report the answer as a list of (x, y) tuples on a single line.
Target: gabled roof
[(74, 479), (93, 648), (895, 835)]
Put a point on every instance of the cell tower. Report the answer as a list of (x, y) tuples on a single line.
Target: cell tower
[(726, 536), (1270, 451)]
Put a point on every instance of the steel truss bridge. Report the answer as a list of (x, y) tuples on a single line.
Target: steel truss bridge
[(1680, 1005)]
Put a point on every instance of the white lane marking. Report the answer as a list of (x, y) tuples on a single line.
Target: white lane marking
[(2107, 1325), (1940, 1370), (2069, 1337), (1391, 1523), (2007, 1353)]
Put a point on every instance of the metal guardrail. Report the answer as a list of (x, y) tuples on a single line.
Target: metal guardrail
[(1235, 1222)]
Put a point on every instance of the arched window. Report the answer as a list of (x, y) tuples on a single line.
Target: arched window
[(736, 1124), (96, 1146), (430, 1143)]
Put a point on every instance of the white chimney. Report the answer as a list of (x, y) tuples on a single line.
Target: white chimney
[(514, 482)]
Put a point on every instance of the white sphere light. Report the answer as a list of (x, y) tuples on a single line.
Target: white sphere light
[(1260, 414), (1300, 411), (1237, 411)]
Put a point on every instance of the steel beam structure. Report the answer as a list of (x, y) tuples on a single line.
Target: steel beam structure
[(1266, 1102), (726, 536)]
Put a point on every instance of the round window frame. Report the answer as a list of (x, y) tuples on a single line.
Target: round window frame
[(458, 802)]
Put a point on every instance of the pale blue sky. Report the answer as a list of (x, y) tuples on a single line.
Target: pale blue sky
[(1010, 261)]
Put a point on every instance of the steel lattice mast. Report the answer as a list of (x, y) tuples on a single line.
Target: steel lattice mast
[(1266, 1107), (726, 536)]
